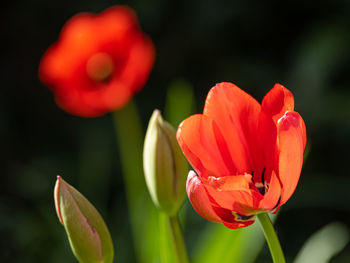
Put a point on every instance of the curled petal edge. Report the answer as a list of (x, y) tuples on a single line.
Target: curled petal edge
[(199, 198), (291, 138), (277, 101)]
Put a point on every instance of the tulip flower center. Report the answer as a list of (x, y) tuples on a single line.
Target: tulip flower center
[(262, 186), (100, 67)]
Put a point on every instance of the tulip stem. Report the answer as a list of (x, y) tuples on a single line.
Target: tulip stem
[(177, 240), (271, 238)]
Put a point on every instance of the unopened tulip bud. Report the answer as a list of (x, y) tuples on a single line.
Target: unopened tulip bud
[(88, 235), (164, 165)]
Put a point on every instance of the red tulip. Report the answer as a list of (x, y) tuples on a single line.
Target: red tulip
[(248, 156), (98, 63)]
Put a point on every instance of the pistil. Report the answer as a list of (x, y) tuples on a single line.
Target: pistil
[(100, 67)]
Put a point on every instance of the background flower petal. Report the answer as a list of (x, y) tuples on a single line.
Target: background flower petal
[(114, 34)]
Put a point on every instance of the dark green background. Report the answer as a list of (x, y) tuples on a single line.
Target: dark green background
[(304, 45)]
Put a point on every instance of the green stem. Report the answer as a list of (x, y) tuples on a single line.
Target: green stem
[(143, 214), (130, 140), (177, 240), (271, 238)]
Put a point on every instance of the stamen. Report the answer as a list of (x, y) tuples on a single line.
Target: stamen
[(240, 217), (263, 176), (260, 187)]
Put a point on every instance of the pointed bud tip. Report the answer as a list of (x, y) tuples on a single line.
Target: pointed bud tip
[(157, 112), (157, 116), (57, 198)]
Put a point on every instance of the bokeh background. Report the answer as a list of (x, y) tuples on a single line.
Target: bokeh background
[(304, 45)]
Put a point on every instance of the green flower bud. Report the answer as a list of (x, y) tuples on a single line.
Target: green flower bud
[(164, 165), (88, 235)]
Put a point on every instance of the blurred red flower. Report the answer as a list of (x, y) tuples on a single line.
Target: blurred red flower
[(248, 156), (98, 63)]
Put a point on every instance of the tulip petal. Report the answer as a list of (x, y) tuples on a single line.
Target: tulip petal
[(231, 219), (198, 195), (233, 193), (267, 135), (303, 131), (199, 198), (272, 196), (204, 147), (239, 224), (291, 136), (236, 113), (277, 101)]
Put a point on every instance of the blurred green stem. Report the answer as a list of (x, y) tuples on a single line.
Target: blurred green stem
[(177, 240), (143, 214), (271, 238)]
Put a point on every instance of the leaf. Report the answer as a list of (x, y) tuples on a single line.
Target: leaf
[(324, 244), (221, 244), (179, 102)]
